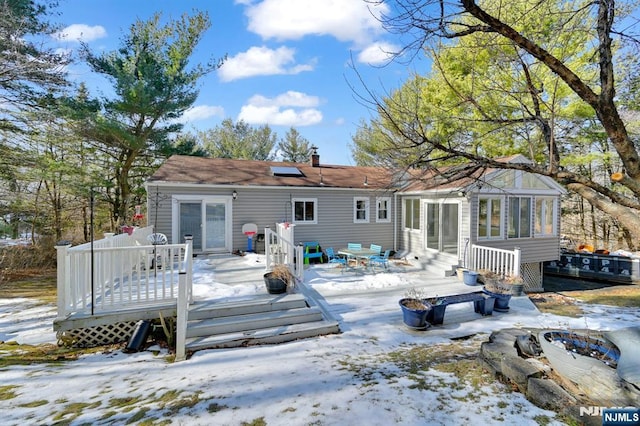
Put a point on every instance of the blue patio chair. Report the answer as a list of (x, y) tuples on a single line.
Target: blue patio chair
[(380, 260), (376, 248), (334, 258), (353, 246)]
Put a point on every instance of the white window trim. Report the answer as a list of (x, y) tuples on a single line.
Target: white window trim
[(554, 217), (388, 200), (531, 214), (315, 211), (503, 211), (366, 209), (404, 214)]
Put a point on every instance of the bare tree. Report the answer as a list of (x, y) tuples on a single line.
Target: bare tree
[(536, 32)]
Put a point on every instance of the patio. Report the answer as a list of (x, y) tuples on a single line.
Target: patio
[(345, 295)]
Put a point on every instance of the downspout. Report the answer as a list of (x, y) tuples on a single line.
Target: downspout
[(395, 222)]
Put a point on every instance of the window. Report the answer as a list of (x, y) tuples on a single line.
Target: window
[(383, 209), (412, 213), (305, 210), (545, 216), (361, 210), (490, 217), (519, 217)]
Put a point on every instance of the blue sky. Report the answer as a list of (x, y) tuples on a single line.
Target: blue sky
[(289, 61)]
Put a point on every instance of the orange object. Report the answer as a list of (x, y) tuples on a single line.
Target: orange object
[(617, 177), (585, 248)]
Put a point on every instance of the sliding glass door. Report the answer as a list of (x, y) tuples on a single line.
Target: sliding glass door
[(207, 219), (442, 226)]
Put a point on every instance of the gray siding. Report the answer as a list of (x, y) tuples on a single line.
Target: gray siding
[(267, 206), (533, 250)]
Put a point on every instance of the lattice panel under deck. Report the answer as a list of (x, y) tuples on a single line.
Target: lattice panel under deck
[(532, 276), (96, 336)]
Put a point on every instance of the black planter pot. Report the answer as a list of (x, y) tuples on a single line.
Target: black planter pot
[(414, 318), (436, 314), (484, 307), (502, 300), (274, 285)]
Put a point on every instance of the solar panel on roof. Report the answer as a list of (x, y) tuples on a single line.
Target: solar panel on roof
[(285, 171)]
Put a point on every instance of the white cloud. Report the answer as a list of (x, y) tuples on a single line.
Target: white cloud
[(378, 53), (78, 32), (201, 112), (289, 98), (288, 109), (261, 61), (346, 20)]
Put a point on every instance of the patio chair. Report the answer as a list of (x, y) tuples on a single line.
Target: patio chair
[(376, 248), (353, 246), (156, 239), (334, 258), (380, 260)]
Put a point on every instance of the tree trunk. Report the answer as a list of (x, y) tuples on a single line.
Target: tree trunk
[(626, 216)]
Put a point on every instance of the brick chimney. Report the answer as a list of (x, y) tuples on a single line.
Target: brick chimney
[(315, 157)]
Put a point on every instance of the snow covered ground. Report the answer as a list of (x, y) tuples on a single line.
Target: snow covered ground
[(344, 379)]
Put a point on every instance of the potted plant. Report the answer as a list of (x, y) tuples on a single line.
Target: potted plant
[(470, 277), (436, 313), (501, 291), (516, 282), (414, 310), (279, 279)]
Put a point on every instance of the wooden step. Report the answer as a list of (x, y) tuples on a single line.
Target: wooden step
[(244, 322), (262, 303), (271, 335)]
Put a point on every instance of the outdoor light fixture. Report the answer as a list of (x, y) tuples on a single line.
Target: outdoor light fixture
[(234, 194), (366, 183)]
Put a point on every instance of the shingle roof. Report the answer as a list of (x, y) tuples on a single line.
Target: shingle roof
[(225, 171)]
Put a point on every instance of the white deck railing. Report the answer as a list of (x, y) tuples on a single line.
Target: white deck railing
[(121, 272), (500, 261), (280, 249)]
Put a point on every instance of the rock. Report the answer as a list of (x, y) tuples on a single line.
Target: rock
[(548, 394), (519, 371)]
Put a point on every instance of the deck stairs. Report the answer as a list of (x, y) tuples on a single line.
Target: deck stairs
[(264, 319), (438, 264)]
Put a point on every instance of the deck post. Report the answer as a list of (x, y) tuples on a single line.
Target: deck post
[(188, 239), (299, 264), (63, 270), (181, 317), (516, 261)]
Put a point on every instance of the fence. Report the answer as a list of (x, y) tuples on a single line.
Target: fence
[(502, 262), (119, 272)]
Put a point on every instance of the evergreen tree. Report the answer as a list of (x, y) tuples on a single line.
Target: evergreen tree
[(294, 147), (239, 140)]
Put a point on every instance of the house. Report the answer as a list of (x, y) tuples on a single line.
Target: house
[(498, 210), (212, 198), (504, 220)]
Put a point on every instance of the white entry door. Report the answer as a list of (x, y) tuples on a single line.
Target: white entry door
[(207, 219)]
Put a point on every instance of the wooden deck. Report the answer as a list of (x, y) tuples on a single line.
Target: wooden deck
[(222, 322)]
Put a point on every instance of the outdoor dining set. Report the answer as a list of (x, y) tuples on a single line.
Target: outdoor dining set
[(355, 257)]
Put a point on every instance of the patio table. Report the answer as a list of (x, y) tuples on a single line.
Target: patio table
[(357, 254)]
